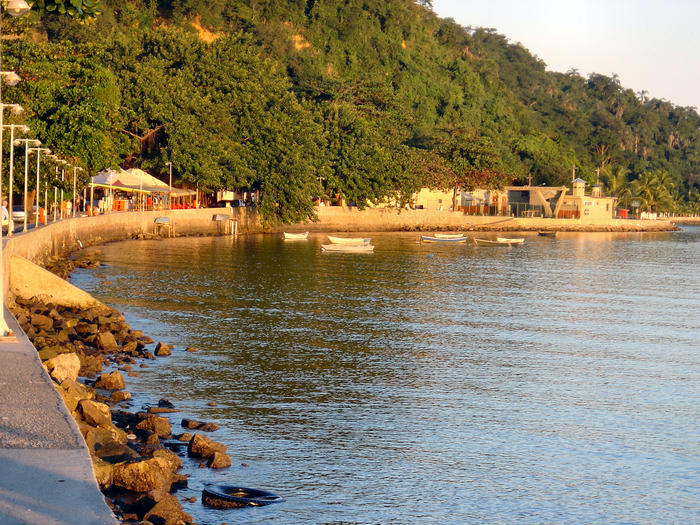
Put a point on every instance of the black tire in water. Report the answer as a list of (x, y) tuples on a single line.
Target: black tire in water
[(232, 496)]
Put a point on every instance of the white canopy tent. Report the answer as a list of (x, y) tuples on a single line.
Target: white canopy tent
[(137, 181)]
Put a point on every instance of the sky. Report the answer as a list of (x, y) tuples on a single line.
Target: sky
[(652, 46)]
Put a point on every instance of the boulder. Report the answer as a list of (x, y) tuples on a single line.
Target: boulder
[(103, 472), (114, 452), (203, 447), (105, 341), (41, 321), (91, 365), (130, 347), (94, 413), (199, 425), (168, 511), (64, 366), (163, 350), (73, 392), (144, 475), (120, 395), (219, 460), (192, 349), (112, 381), (84, 328), (156, 424), (170, 456)]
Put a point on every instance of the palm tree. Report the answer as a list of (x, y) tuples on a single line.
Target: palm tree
[(617, 185)]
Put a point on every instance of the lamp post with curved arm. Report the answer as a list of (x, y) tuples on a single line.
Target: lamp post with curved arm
[(24, 130), (75, 169), (39, 151), (27, 143)]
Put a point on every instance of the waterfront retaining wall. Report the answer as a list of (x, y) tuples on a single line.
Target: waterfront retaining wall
[(68, 235)]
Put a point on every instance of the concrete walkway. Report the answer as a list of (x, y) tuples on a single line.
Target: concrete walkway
[(46, 474)]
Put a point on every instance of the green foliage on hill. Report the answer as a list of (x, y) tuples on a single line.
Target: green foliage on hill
[(366, 99)]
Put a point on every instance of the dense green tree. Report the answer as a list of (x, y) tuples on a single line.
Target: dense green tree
[(364, 99)]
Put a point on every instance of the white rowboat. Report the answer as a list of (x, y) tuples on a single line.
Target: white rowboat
[(296, 235), (430, 238), (500, 241), (511, 240), (448, 235), (348, 248), (349, 240)]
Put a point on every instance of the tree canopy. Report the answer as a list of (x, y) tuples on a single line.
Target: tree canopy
[(364, 99)]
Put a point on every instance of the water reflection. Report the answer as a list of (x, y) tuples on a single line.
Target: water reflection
[(550, 382)]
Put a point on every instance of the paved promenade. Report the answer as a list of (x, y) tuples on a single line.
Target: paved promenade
[(45, 470)]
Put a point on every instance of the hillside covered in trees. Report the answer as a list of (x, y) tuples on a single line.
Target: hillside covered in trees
[(368, 99)]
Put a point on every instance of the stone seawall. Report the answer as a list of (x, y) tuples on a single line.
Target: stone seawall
[(62, 237), (69, 235)]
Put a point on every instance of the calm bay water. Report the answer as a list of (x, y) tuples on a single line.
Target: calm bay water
[(553, 382)]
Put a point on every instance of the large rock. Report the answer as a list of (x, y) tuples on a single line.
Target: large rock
[(219, 460), (104, 472), (156, 424), (41, 321), (173, 459), (168, 511), (193, 424), (94, 413), (163, 350), (143, 476), (64, 366), (96, 437), (112, 381), (106, 342), (91, 365), (203, 447), (120, 395), (114, 452), (73, 392)]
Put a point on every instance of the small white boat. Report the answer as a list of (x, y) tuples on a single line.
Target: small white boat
[(348, 248), (297, 236), (500, 241), (431, 238), (511, 240), (349, 240), (448, 235)]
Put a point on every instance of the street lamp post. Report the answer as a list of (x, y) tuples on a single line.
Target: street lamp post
[(63, 179), (14, 8), (27, 142), (75, 169), (24, 130), (39, 151), (170, 186)]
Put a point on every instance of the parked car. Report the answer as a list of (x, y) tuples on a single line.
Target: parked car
[(18, 213)]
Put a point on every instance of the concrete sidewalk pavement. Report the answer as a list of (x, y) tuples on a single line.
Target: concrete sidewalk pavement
[(46, 473)]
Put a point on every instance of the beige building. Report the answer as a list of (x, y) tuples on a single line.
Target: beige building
[(553, 202)]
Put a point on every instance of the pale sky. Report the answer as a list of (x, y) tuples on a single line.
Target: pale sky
[(652, 45)]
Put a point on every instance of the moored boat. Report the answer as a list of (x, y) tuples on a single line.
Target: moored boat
[(297, 236), (448, 235), (432, 238), (499, 241), (547, 234), (348, 248), (349, 240), (511, 240)]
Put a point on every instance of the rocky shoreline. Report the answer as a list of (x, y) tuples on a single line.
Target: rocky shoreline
[(136, 455)]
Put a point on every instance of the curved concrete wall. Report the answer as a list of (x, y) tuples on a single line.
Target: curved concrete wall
[(37, 245)]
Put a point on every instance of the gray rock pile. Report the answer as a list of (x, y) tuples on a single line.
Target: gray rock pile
[(134, 467)]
